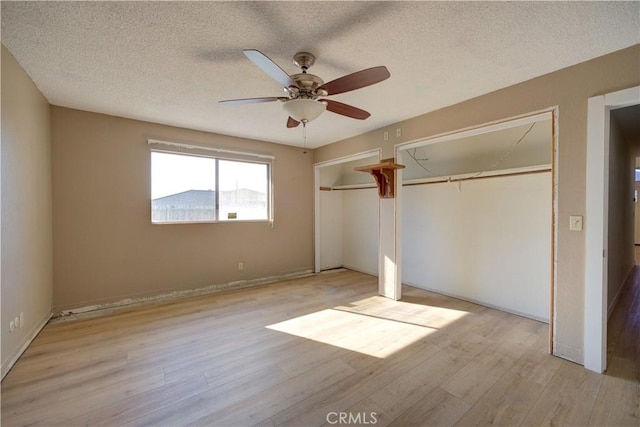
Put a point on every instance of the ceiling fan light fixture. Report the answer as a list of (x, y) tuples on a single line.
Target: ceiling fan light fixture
[(302, 90), (304, 110)]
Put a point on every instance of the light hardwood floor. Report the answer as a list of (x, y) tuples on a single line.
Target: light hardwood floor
[(301, 352)]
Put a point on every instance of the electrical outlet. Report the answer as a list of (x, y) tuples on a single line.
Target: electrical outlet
[(240, 266), (385, 136), (398, 132)]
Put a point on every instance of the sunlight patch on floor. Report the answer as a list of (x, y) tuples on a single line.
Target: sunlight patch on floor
[(375, 326), (400, 311)]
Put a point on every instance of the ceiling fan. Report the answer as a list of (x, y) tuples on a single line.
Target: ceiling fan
[(303, 102)]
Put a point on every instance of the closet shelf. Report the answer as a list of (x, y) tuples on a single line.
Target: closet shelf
[(385, 175)]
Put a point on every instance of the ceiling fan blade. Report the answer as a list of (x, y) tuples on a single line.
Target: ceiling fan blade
[(345, 109), (268, 66), (291, 123), (356, 80), (252, 100)]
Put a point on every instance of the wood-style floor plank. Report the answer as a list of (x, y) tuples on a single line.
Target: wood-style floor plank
[(305, 352)]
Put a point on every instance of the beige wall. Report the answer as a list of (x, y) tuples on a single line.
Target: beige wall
[(568, 89), (105, 247), (26, 252)]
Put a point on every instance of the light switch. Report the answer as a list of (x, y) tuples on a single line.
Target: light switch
[(575, 223)]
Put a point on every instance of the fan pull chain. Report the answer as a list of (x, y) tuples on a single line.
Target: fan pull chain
[(304, 136)]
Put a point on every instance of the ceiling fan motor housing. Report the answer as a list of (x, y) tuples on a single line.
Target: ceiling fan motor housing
[(308, 83)]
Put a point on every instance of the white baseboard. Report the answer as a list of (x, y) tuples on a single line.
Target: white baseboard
[(330, 267), (620, 289), (101, 309), (360, 270), (482, 303), (28, 339)]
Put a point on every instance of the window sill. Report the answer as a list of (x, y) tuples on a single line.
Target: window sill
[(211, 222)]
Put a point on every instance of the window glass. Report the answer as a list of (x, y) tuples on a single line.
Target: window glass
[(191, 188), (182, 188), (243, 190)]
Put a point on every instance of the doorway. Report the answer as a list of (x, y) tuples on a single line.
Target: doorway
[(597, 259), (636, 210), (346, 215), (472, 198)]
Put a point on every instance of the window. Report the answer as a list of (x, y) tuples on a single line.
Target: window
[(197, 188)]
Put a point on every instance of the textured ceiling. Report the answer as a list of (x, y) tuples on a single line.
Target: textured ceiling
[(171, 62)]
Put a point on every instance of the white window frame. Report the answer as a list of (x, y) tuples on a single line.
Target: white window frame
[(221, 154)]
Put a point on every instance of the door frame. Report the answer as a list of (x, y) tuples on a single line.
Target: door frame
[(597, 226)]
